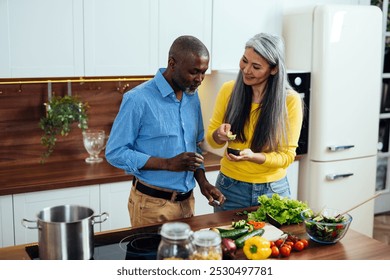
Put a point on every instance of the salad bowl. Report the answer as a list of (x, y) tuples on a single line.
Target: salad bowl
[(326, 227)]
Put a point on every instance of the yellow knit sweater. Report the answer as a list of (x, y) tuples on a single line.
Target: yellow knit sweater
[(275, 166)]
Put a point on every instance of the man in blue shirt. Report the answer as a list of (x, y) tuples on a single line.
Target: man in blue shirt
[(156, 136)]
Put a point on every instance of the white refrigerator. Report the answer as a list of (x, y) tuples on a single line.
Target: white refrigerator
[(341, 47)]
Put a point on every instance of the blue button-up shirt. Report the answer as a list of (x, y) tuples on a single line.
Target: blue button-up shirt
[(152, 122)]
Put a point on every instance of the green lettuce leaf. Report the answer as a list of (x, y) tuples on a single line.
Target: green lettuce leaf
[(284, 210)]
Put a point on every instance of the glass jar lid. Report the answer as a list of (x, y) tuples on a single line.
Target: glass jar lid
[(207, 238), (176, 231)]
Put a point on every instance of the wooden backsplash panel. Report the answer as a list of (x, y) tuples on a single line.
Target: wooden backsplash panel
[(21, 108)]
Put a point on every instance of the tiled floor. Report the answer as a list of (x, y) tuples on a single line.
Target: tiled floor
[(382, 227)]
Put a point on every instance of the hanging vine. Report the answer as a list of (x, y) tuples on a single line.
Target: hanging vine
[(61, 113)]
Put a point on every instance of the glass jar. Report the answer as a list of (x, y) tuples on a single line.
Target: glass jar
[(207, 245), (176, 242)]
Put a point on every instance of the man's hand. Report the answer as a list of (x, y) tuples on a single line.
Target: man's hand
[(187, 161), (213, 195)]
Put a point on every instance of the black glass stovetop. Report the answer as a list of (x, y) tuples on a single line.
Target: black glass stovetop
[(118, 246)]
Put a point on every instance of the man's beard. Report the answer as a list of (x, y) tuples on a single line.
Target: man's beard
[(188, 91)]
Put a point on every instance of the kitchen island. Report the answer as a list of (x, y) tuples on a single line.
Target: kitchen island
[(354, 246)]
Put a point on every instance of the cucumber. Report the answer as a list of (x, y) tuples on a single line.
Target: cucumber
[(239, 224), (233, 233), (240, 241)]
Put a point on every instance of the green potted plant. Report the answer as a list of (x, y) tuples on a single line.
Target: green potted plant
[(61, 113)]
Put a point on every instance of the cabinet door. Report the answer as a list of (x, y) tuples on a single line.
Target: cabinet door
[(6, 221), (120, 37), (41, 38), (234, 22), (28, 205), (192, 18), (114, 198), (292, 176), (201, 203)]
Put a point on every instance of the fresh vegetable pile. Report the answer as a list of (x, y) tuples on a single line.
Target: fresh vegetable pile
[(247, 235), (284, 210), (236, 236)]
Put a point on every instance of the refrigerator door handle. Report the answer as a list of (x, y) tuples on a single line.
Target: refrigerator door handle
[(332, 177), (340, 148)]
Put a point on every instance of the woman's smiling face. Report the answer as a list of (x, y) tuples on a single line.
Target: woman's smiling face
[(255, 69)]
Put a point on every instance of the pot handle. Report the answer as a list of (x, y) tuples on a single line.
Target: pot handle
[(105, 214), (24, 221)]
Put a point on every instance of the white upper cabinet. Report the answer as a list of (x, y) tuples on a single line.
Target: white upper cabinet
[(234, 22), (64, 38), (121, 37), (183, 17), (41, 38), (131, 37)]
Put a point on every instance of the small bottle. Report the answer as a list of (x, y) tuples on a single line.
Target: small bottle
[(176, 242), (207, 245)]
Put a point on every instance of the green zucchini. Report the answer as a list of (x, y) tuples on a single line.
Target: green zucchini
[(240, 241), (233, 233)]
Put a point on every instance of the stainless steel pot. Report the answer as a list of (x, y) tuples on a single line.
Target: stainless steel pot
[(66, 232)]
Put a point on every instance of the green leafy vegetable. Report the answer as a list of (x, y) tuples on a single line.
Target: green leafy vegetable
[(282, 209)]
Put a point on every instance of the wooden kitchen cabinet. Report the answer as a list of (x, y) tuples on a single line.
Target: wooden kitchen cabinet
[(41, 38), (28, 205), (6, 223)]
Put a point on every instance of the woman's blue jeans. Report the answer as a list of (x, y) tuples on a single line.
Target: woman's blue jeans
[(243, 195)]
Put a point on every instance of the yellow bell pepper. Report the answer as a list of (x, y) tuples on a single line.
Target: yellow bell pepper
[(257, 248)]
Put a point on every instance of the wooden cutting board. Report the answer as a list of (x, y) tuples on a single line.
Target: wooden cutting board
[(271, 232)]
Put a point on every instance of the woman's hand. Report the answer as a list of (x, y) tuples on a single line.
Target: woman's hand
[(248, 155), (221, 134)]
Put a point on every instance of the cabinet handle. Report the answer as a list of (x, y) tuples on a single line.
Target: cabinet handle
[(332, 177), (340, 148)]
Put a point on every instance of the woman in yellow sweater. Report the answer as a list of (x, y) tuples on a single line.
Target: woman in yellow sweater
[(261, 115)]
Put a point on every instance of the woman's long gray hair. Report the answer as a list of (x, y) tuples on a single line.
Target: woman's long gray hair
[(270, 131)]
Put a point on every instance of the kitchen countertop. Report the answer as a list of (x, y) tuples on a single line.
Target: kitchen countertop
[(354, 246), (65, 174)]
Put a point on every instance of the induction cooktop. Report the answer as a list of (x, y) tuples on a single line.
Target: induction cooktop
[(136, 246)]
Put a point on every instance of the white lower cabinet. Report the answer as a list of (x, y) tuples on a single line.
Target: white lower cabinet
[(292, 176), (28, 205), (201, 203), (6, 224), (113, 200)]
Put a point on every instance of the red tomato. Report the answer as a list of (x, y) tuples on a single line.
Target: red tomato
[(272, 243), (285, 251), (305, 242), (274, 252), (290, 243), (299, 246), (278, 242)]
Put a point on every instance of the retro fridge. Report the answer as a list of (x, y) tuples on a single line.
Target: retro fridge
[(341, 47)]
